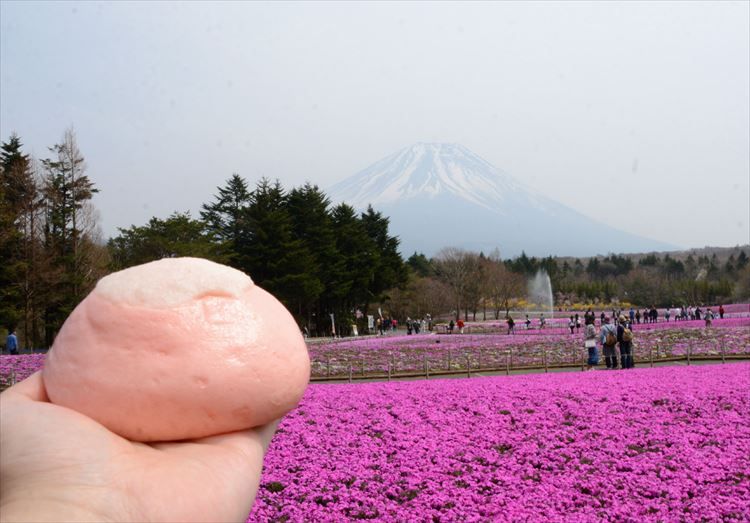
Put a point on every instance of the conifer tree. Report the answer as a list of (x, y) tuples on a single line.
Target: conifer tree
[(68, 231), (16, 189), (178, 235), (224, 216), (308, 209), (267, 249), (390, 268), (352, 285)]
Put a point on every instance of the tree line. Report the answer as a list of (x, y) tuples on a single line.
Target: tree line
[(317, 258), (51, 252), (471, 284)]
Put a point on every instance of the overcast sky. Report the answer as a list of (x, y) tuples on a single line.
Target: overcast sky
[(636, 114)]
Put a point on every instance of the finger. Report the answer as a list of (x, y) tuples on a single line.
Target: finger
[(32, 388), (251, 443), (240, 440), (233, 465)]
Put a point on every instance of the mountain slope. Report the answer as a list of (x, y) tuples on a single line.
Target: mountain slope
[(443, 194)]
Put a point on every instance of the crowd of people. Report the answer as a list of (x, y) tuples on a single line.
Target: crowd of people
[(610, 337), (634, 316), (616, 331), (386, 324)]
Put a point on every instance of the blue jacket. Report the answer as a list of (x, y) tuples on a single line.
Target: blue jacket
[(11, 343)]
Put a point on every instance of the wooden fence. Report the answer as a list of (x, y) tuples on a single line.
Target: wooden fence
[(421, 363)]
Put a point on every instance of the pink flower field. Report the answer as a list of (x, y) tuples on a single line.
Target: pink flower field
[(498, 350), (666, 444), (648, 444)]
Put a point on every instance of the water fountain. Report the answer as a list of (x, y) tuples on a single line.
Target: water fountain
[(540, 293)]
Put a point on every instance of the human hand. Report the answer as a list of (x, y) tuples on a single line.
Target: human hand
[(59, 465)]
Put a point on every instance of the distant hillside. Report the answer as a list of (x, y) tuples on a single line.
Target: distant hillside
[(722, 254)]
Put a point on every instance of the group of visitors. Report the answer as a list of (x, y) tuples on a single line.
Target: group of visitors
[(574, 323), (456, 324), (415, 326), (542, 321), (610, 337), (648, 315), (386, 324), (686, 313)]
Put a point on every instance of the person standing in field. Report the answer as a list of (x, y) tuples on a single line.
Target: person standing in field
[(721, 311), (590, 344), (625, 339), (460, 325), (608, 339), (709, 317), (572, 325), (589, 318), (511, 324), (632, 316), (666, 315), (11, 342)]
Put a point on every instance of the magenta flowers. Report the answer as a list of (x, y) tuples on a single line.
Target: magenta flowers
[(668, 444)]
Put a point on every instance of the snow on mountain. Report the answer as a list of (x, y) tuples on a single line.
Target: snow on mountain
[(440, 195), (429, 170)]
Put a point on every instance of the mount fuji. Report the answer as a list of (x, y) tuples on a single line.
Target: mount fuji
[(439, 195)]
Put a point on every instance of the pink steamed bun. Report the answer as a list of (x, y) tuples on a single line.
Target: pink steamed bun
[(176, 349)]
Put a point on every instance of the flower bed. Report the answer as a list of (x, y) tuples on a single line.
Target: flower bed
[(18, 367), (668, 444), (430, 354), (559, 325), (445, 353)]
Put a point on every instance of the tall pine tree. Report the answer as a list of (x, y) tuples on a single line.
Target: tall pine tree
[(225, 215), (68, 231), (17, 188), (308, 208), (267, 248)]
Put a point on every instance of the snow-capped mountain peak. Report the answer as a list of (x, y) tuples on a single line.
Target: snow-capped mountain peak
[(428, 170), (439, 195)]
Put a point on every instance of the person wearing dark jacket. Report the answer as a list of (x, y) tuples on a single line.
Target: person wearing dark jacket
[(626, 345), (608, 340)]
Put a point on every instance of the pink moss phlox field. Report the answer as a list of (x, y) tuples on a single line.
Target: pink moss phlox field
[(560, 325), (667, 444), (410, 354), (414, 354), (20, 366)]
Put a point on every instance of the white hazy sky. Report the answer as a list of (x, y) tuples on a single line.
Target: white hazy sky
[(636, 114)]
